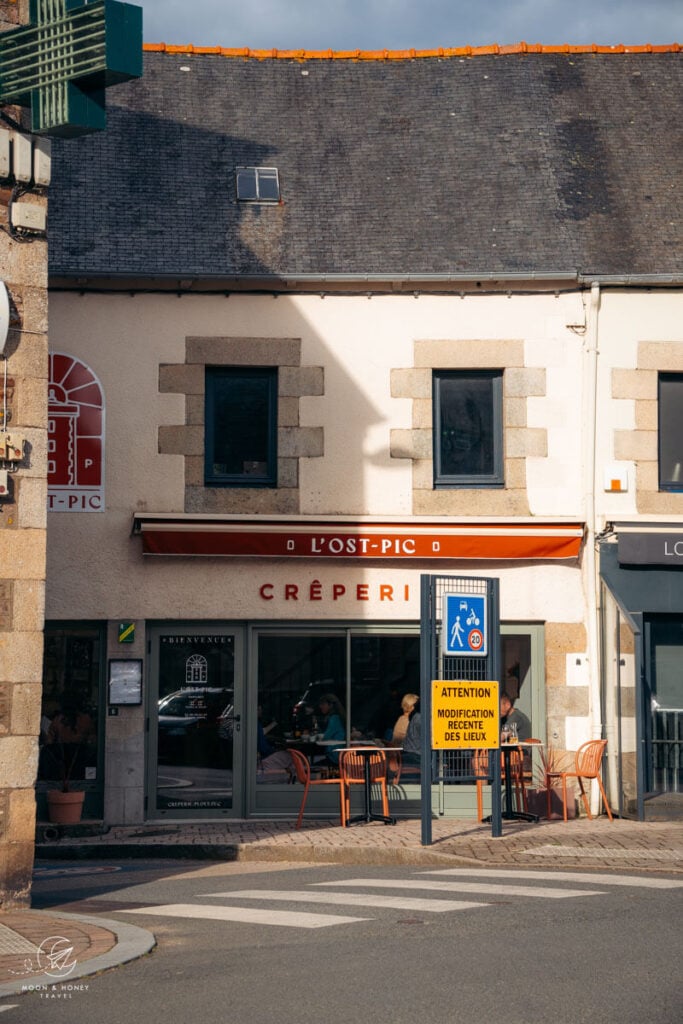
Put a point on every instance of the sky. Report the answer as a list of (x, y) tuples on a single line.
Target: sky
[(405, 24)]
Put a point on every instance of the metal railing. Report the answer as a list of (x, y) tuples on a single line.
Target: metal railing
[(667, 749)]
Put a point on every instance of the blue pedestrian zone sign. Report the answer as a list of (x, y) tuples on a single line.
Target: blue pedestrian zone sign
[(464, 627)]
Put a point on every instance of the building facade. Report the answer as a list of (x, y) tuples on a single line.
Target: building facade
[(23, 462), (301, 357)]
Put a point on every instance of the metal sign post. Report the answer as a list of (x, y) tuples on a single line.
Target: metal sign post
[(63, 61), (459, 686)]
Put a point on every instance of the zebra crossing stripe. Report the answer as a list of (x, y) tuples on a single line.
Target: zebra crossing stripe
[(434, 906), (478, 888), (559, 876), (246, 915)]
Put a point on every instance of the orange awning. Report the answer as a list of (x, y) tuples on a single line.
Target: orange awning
[(325, 539)]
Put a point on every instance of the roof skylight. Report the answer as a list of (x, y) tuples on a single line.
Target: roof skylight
[(258, 184)]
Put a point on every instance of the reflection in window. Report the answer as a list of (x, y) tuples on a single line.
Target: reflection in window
[(468, 431)]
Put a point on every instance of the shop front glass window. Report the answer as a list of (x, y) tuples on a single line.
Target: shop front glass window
[(365, 686), (70, 706)]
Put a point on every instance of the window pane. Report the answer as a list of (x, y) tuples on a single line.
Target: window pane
[(671, 431), (240, 425), (268, 187), (246, 183), (258, 183), (296, 671), (467, 425), (383, 670)]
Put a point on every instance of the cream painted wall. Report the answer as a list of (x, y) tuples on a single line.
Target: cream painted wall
[(358, 341), (625, 319), (128, 587)]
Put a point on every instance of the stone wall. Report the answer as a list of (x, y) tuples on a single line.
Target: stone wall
[(23, 413)]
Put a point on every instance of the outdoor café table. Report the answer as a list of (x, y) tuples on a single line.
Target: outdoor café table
[(509, 813), (368, 814), (310, 746)]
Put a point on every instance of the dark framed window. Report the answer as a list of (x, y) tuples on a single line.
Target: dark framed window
[(670, 408), (258, 184), (468, 428), (241, 427), (71, 747)]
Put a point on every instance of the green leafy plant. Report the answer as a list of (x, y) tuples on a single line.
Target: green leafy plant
[(550, 760)]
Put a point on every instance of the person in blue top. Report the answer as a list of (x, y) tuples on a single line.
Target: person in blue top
[(331, 709)]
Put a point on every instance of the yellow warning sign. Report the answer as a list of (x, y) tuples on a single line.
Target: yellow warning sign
[(465, 714)]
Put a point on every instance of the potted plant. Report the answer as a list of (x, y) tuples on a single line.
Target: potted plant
[(62, 761), (549, 760), (60, 764)]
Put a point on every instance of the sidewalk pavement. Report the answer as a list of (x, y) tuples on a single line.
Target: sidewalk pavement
[(43, 948)]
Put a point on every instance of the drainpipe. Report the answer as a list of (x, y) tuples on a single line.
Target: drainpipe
[(591, 582)]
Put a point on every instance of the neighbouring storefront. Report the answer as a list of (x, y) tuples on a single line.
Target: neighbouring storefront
[(642, 624)]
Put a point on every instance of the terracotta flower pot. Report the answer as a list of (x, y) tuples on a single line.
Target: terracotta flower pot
[(65, 808), (537, 803)]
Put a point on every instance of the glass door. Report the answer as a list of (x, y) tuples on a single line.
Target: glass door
[(195, 733)]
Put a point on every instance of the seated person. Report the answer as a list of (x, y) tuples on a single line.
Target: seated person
[(271, 760), (510, 715), (335, 725), (412, 743), (408, 702)]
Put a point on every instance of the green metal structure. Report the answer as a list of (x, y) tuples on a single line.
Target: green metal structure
[(61, 64)]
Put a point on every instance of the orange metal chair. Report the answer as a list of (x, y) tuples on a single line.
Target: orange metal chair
[(352, 773), (480, 768), (304, 775), (587, 766)]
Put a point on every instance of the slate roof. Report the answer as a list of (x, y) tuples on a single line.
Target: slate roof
[(496, 164)]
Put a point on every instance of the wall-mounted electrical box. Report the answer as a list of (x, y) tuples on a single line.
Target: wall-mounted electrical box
[(11, 448), (4, 483), (28, 215), (25, 158)]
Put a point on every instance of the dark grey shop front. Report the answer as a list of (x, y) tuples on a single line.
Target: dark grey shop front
[(642, 671)]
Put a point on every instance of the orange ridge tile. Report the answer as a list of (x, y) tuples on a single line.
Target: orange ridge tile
[(495, 49)]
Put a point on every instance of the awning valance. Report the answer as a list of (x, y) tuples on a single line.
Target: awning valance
[(327, 539)]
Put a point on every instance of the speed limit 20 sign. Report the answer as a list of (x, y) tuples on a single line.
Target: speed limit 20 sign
[(464, 626)]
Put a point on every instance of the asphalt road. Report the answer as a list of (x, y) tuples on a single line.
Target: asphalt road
[(311, 944)]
